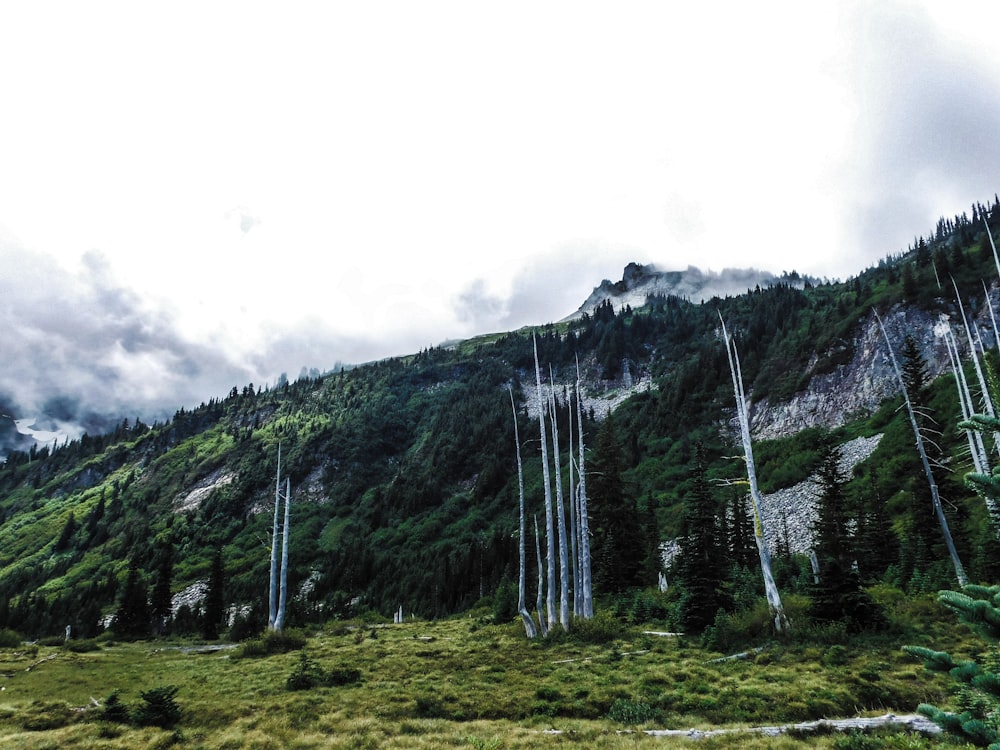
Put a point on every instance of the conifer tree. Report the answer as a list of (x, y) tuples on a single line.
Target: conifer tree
[(132, 617), (161, 600), (837, 595), (978, 696), (702, 569), (215, 605), (618, 537)]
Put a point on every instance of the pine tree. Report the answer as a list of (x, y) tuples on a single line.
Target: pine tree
[(978, 697), (618, 537), (702, 567), (215, 606), (161, 603), (838, 595), (132, 618)]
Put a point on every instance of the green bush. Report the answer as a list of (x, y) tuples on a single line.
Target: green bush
[(602, 628), (626, 711), (114, 710), (9, 639), (82, 645), (272, 642), (309, 674), (159, 708)]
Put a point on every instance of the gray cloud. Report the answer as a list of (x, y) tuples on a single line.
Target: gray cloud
[(928, 115), (557, 281), (80, 351)]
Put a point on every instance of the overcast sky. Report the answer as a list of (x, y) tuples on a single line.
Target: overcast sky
[(196, 195)]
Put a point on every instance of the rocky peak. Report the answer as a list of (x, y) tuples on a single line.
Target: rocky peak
[(639, 282)]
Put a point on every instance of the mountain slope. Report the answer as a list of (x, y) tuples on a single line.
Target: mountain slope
[(403, 480)]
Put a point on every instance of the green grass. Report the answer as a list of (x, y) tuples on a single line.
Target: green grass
[(459, 683)]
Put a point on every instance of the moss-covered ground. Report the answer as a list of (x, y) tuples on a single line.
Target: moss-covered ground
[(465, 682)]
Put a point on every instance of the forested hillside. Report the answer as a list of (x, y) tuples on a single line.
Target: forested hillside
[(403, 471)]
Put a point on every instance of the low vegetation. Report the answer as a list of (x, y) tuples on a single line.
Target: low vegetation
[(466, 682)]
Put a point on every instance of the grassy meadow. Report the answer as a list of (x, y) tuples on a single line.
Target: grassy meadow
[(468, 683)]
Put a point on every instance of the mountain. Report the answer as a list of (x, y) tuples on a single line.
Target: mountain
[(640, 282), (403, 471)]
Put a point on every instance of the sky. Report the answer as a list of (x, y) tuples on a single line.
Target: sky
[(197, 195)]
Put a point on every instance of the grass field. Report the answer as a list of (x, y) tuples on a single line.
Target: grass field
[(464, 683)]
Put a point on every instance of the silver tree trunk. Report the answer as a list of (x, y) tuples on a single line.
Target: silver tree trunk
[(560, 513), (770, 587), (272, 600), (279, 618), (935, 499), (583, 522), (529, 623), (550, 556)]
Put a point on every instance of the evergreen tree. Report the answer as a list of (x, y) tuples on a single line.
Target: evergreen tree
[(69, 528), (161, 600), (215, 606), (978, 696), (618, 537), (838, 595), (132, 618), (703, 565)]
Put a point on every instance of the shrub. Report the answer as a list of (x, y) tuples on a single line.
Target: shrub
[(159, 708), (9, 639), (307, 674), (627, 711), (272, 642), (114, 710), (82, 646), (601, 628)]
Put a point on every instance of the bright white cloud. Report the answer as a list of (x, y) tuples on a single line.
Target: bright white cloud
[(378, 177)]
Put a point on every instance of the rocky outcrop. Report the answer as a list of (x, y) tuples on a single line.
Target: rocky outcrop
[(193, 499), (789, 513), (857, 388), (639, 282)]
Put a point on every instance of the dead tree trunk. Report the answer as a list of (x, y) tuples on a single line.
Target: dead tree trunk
[(529, 624), (574, 552), (272, 609), (770, 587), (935, 499), (279, 619), (560, 513), (540, 596), (987, 401), (583, 522), (976, 447), (550, 556)]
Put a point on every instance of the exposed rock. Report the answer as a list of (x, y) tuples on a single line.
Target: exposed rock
[(205, 487), (640, 282), (789, 513)]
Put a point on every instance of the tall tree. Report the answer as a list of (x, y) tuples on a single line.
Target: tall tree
[(161, 599), (529, 623), (702, 569), (132, 617), (618, 537), (837, 595), (743, 416), (928, 473), (215, 603), (550, 537)]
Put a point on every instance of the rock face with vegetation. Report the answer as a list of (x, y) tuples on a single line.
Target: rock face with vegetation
[(403, 472)]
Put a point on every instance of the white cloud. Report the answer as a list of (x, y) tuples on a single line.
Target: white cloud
[(323, 182)]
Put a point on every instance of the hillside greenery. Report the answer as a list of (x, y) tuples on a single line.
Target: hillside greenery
[(404, 481)]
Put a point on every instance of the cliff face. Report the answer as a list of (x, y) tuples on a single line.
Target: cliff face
[(858, 387)]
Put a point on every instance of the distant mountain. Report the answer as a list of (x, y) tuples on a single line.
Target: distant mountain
[(640, 282)]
